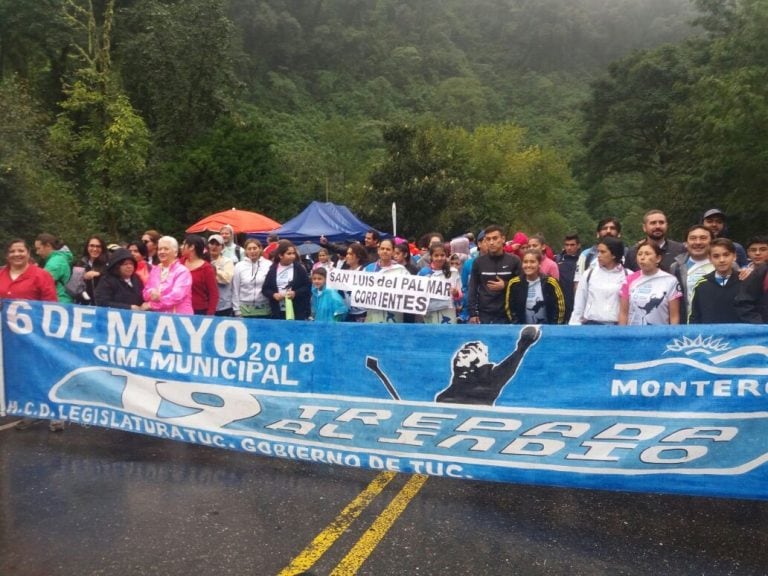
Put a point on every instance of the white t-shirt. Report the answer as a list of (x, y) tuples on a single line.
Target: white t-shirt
[(649, 297), (535, 310)]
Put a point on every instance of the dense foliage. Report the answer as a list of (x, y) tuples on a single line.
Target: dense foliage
[(684, 126), (540, 114)]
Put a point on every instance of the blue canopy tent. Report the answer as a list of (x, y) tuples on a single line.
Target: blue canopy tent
[(333, 221)]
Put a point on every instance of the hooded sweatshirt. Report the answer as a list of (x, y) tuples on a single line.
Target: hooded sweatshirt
[(59, 266)]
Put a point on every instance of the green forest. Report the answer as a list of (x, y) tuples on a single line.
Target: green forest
[(540, 115)]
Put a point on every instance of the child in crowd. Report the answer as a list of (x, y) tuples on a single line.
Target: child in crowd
[(757, 252), (402, 255), (323, 260), (534, 297), (650, 295), (548, 266), (442, 311), (714, 296), (327, 305)]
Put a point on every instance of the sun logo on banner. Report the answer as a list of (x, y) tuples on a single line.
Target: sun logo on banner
[(696, 345), (718, 357)]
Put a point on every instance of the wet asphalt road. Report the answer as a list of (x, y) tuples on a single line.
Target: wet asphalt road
[(92, 501)]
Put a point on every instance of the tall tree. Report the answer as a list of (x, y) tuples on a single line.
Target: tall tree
[(688, 122), (233, 165), (177, 65), (98, 132), (450, 179), (35, 196)]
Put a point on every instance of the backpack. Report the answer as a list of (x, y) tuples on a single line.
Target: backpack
[(75, 286)]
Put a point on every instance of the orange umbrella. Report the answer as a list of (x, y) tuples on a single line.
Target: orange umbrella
[(240, 220)]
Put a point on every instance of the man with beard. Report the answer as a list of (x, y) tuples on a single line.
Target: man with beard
[(714, 220), (655, 228)]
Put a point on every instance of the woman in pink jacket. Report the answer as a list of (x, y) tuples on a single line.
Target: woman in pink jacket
[(169, 288)]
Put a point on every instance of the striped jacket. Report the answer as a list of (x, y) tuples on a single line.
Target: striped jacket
[(517, 293)]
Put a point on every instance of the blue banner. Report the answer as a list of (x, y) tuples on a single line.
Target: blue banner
[(663, 409)]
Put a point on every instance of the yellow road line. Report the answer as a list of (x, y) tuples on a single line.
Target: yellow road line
[(351, 563), (331, 533)]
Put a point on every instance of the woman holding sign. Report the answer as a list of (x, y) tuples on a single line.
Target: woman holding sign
[(385, 265), (23, 279), (356, 258), (442, 311)]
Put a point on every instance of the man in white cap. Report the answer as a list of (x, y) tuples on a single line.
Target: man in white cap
[(225, 271), (714, 221)]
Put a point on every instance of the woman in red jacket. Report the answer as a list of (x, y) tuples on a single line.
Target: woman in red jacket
[(205, 290), (23, 279)]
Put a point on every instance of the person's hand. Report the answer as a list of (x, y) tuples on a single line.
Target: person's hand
[(745, 272), (91, 274), (474, 320), (496, 285)]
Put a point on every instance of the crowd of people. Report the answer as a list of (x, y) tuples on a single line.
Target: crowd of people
[(704, 279)]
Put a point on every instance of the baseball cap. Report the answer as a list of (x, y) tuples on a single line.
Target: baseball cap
[(713, 212), (216, 238)]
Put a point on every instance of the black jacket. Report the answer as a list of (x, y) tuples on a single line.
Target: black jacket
[(567, 265), (302, 302), (114, 292), (482, 301), (517, 294), (752, 300), (713, 303), (671, 250)]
